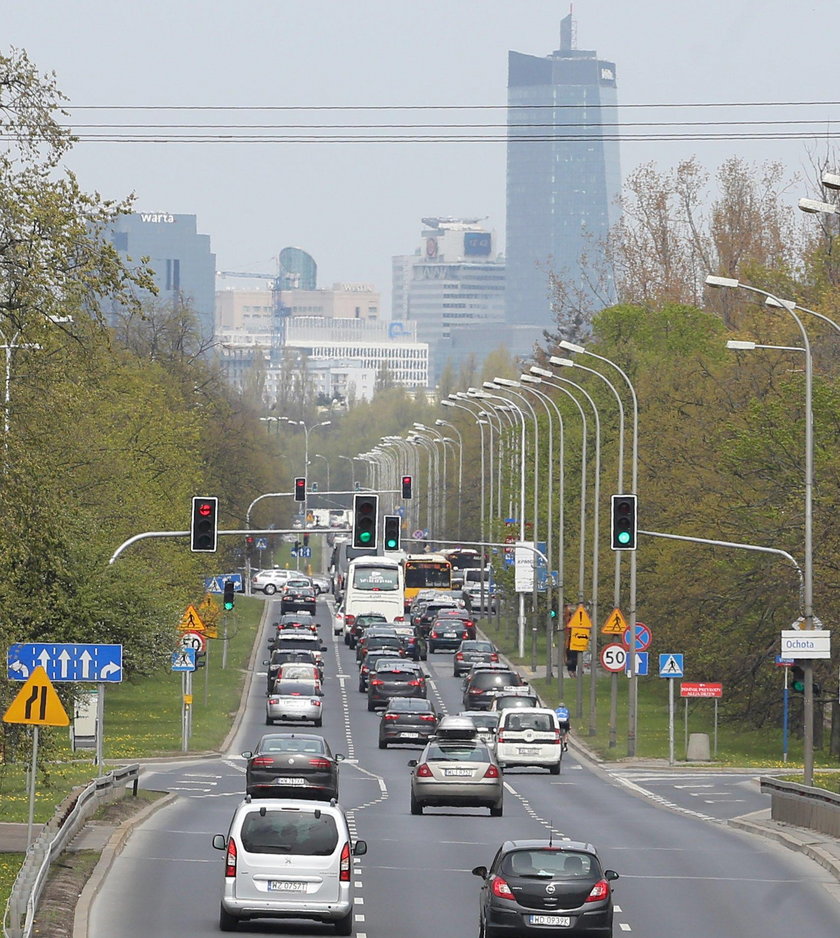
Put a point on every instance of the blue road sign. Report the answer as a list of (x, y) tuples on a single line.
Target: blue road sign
[(262, 543), (671, 666), (216, 584), (183, 659), (641, 664), (304, 552), (65, 662)]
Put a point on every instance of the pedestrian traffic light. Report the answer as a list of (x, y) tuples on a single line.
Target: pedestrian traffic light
[(230, 589), (365, 510), (623, 528), (391, 528), (300, 489), (406, 486), (203, 524)]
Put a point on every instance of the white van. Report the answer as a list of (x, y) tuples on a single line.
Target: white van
[(288, 859), (529, 736), (374, 585)]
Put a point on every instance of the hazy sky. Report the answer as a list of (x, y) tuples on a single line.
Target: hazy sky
[(354, 205)]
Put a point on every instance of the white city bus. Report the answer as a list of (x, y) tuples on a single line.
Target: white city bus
[(374, 584)]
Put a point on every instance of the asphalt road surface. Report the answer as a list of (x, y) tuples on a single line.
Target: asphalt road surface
[(683, 871)]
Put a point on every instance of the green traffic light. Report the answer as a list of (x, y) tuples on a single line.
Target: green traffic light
[(391, 543), (624, 537), (228, 606), (364, 537)]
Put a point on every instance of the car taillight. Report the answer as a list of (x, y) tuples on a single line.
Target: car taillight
[(230, 858), (494, 657), (417, 682), (501, 889), (600, 891), (320, 763), (273, 700), (459, 656), (492, 772), (263, 762), (315, 701), (344, 868), (392, 716), (399, 618), (476, 690), (428, 717), (500, 736), (556, 738), (349, 619), (423, 770), (376, 682), (364, 669), (465, 633), (434, 635)]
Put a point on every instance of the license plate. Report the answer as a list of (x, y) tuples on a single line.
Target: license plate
[(510, 687), (449, 635), (289, 781), (457, 773), (411, 735), (550, 920), (281, 885), (527, 750)]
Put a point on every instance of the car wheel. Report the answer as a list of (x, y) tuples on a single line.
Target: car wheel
[(484, 930), (268, 721), (344, 926), (318, 722), (383, 744), (496, 811), (226, 921), (554, 769), (371, 707), (269, 589), (346, 640), (416, 807)]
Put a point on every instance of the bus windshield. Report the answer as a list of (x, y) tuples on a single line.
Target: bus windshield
[(425, 574), (376, 578)]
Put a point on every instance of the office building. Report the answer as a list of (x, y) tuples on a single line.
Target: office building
[(562, 190)]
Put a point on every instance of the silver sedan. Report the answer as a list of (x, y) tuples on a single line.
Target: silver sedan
[(456, 773), (295, 700)]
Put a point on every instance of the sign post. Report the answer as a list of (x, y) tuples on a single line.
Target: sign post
[(701, 689), (671, 666)]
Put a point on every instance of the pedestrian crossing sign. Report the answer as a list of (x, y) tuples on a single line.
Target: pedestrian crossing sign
[(191, 621), (671, 666), (616, 624)]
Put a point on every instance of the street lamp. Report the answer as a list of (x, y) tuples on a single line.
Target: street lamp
[(446, 423), (327, 464), (808, 566)]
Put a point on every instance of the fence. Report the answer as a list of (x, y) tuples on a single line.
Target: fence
[(55, 836), (801, 806)]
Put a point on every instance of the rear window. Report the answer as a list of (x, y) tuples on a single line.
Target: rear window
[(296, 641), (495, 679), (477, 646), (281, 832), (294, 688), (409, 705), (522, 720), (556, 864), (457, 752)]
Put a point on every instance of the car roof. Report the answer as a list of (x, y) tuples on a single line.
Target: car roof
[(409, 703), (296, 805), (577, 846)]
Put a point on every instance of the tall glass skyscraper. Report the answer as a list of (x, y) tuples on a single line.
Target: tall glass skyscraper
[(562, 172)]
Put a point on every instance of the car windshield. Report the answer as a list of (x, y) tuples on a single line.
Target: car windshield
[(550, 864), (457, 752), (284, 832)]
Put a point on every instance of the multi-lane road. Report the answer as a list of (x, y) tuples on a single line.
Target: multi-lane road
[(682, 870)]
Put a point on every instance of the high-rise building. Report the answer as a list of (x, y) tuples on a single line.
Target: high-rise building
[(563, 177), (453, 285), (184, 265)]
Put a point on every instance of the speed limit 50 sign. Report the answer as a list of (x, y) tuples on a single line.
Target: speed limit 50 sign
[(194, 640), (614, 657)]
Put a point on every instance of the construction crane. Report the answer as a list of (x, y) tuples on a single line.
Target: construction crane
[(281, 312)]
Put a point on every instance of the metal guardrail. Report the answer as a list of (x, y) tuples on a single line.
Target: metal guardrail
[(68, 819), (803, 806)]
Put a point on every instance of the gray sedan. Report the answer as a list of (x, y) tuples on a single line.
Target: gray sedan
[(457, 773)]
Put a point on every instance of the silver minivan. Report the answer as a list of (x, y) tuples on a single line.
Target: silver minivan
[(288, 859)]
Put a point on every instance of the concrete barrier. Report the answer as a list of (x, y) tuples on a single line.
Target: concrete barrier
[(698, 748)]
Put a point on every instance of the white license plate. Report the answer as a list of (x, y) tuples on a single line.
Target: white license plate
[(510, 687), (410, 735), (449, 635), (527, 750), (550, 920), (289, 781), (457, 773), (281, 885)]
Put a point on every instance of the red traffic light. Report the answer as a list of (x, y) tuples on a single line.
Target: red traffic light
[(300, 489), (406, 486), (203, 524)]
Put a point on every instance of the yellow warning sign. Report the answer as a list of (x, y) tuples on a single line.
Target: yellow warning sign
[(209, 611), (37, 703), (579, 639), (616, 624), (191, 621), (580, 620)]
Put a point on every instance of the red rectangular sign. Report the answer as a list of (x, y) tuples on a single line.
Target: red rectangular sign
[(700, 689)]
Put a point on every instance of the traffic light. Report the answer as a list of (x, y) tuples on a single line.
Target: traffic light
[(229, 591), (300, 489), (623, 529), (406, 486), (200, 659), (797, 679), (391, 529), (203, 524), (552, 612), (365, 510)]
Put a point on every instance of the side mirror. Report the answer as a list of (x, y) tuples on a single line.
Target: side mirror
[(247, 754), (610, 874), (360, 848), (480, 871), (339, 756), (411, 763), (266, 663), (323, 647), (219, 841)]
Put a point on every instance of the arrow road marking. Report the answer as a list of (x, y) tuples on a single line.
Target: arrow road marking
[(44, 658), (64, 659), (111, 668), (85, 657)]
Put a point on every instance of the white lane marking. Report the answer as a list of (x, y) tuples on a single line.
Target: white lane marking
[(624, 926), (652, 796)]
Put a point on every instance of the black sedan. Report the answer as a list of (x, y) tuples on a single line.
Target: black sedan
[(296, 598), (370, 662), (407, 720), (470, 652), (394, 679), (447, 632), (292, 765), (537, 887)]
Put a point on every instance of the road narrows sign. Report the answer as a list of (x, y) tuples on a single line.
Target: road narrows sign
[(37, 703)]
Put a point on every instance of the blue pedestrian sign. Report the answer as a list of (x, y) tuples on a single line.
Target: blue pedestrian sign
[(216, 584), (183, 659), (671, 666), (66, 662)]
